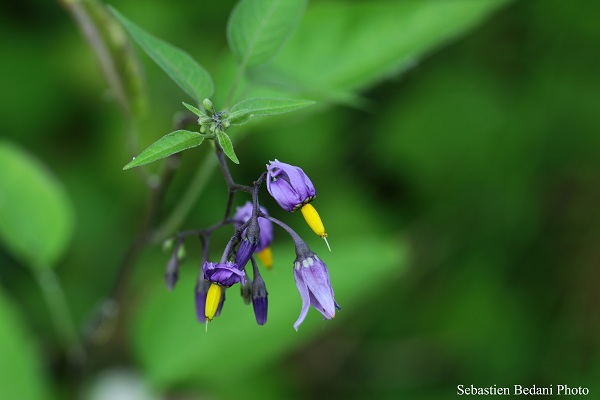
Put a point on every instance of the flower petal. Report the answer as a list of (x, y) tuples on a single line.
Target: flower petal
[(304, 294), (317, 280)]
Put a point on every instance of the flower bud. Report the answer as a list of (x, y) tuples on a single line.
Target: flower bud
[(208, 105), (260, 302), (172, 270), (250, 238)]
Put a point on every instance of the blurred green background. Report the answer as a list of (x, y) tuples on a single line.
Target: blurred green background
[(455, 152)]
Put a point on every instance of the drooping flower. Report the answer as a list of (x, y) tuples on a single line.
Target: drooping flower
[(292, 189), (225, 274), (289, 185), (312, 281), (263, 251)]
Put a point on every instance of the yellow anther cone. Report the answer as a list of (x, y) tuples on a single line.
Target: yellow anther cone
[(213, 298), (314, 221), (266, 257)]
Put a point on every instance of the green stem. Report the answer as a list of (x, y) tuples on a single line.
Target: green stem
[(59, 312)]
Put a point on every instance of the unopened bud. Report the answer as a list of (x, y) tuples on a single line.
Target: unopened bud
[(260, 302), (208, 105)]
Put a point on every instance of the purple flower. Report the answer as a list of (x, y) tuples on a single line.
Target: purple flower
[(243, 214), (260, 301), (289, 185), (225, 274), (312, 281)]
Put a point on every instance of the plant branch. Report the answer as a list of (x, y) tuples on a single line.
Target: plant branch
[(59, 311), (157, 185)]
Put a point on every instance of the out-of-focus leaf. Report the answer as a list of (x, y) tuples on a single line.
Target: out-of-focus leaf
[(180, 66), (173, 347), (343, 47), (257, 29), (20, 371), (227, 146), (263, 106), (171, 143), (36, 218), (107, 38)]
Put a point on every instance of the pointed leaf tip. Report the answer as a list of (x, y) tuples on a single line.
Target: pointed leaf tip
[(179, 65), (258, 29), (269, 106), (169, 144), (227, 146)]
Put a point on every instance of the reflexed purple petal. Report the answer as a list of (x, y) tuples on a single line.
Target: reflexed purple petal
[(312, 281), (304, 294), (226, 274), (317, 280), (289, 185), (284, 195), (301, 182)]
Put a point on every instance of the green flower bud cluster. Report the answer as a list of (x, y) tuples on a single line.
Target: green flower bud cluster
[(215, 121)]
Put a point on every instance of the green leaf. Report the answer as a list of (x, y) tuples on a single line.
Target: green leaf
[(20, 369), (227, 146), (264, 106), (257, 29), (36, 218), (183, 69), (194, 109), (171, 143), (240, 117), (342, 48)]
